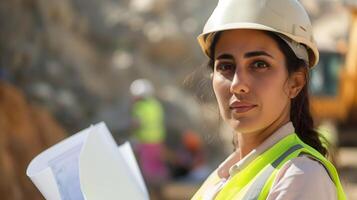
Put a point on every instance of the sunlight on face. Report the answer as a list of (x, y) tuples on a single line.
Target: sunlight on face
[(250, 80)]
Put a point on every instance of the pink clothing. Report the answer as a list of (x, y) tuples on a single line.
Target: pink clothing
[(152, 164), (300, 178)]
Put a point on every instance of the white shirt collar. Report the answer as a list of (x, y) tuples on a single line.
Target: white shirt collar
[(282, 132)]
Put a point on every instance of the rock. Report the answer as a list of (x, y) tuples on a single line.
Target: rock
[(25, 131)]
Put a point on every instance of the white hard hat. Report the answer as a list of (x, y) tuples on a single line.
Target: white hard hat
[(142, 88), (287, 18)]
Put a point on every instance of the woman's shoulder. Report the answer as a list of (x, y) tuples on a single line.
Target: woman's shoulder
[(303, 178), (304, 164)]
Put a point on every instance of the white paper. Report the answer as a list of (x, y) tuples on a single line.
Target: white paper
[(65, 169), (41, 173), (127, 153), (88, 166), (109, 177)]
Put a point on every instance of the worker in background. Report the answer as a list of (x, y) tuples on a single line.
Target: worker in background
[(187, 159), (149, 135)]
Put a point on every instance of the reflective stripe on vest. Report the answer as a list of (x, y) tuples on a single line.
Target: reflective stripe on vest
[(257, 186), (256, 179)]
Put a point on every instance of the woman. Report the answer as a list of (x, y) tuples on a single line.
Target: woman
[(260, 53)]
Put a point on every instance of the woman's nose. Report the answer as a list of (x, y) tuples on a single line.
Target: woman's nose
[(239, 84)]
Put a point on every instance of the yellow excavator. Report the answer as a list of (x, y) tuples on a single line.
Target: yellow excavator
[(334, 82)]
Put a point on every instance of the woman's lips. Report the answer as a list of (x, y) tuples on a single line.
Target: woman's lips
[(241, 107)]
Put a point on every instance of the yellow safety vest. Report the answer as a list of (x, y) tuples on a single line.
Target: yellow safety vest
[(255, 180), (150, 114)]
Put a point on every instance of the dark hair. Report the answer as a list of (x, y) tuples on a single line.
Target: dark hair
[(300, 107)]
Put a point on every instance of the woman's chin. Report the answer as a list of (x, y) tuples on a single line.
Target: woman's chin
[(242, 125), (242, 122)]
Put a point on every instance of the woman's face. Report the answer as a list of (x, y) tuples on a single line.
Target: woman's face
[(250, 80)]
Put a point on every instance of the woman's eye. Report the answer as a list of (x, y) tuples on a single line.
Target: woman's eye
[(260, 65), (223, 67)]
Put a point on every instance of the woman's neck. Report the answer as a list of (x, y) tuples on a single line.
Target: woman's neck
[(249, 141)]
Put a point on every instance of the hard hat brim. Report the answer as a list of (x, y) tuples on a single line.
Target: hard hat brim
[(205, 40)]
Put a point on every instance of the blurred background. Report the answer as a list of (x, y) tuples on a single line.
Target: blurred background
[(67, 64)]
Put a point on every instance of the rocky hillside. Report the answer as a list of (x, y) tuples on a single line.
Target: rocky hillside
[(78, 58)]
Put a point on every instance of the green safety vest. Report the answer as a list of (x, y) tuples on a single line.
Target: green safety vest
[(150, 115), (255, 180)]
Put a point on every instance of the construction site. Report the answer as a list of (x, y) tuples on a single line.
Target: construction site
[(65, 65)]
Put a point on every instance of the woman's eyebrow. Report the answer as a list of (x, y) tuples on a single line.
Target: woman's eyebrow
[(225, 56), (246, 55), (257, 53)]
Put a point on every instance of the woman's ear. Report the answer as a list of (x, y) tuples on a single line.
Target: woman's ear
[(297, 81)]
